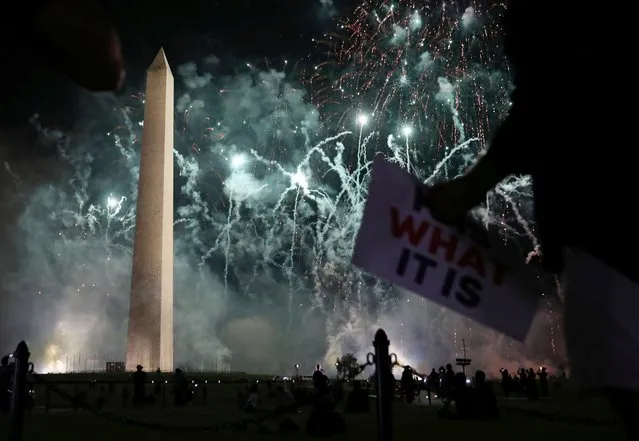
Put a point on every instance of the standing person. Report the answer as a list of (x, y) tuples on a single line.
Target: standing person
[(320, 380), (6, 379), (565, 131), (408, 384), (543, 381), (139, 386), (158, 382)]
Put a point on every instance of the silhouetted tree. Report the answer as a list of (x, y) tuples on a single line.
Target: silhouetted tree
[(348, 367)]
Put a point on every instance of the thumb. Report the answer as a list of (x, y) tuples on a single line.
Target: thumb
[(447, 203)]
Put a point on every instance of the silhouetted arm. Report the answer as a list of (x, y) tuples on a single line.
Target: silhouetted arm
[(511, 150), (77, 38)]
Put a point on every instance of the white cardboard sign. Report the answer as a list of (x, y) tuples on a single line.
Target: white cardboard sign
[(401, 242)]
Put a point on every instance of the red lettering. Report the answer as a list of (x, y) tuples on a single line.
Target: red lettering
[(473, 258), (500, 272), (437, 242), (406, 227)]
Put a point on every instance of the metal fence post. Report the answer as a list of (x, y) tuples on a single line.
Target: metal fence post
[(19, 392), (384, 372)]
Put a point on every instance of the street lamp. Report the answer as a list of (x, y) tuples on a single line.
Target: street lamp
[(297, 370)]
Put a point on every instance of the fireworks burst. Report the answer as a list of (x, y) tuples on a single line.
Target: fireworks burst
[(432, 78), (428, 72), (271, 191)]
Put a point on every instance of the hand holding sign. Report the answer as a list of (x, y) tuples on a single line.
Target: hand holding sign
[(450, 202), (400, 241)]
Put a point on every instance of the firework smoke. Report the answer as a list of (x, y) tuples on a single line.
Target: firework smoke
[(269, 196)]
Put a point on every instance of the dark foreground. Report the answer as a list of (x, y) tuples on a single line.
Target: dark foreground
[(565, 416)]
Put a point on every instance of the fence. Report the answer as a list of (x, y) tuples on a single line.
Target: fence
[(85, 362), (381, 360)]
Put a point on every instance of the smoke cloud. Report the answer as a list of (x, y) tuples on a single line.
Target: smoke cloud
[(269, 197)]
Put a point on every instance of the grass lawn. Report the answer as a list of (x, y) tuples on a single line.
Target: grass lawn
[(411, 422)]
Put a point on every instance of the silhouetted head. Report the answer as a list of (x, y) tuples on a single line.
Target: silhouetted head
[(480, 378), (460, 379), (253, 388), (318, 367), (139, 367), (449, 367)]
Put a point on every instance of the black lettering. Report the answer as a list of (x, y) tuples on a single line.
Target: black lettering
[(424, 263), (403, 262), (420, 197), (469, 289), (449, 281)]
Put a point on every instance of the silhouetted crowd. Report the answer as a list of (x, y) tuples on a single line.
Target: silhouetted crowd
[(472, 398), (462, 398), (526, 383), (183, 388)]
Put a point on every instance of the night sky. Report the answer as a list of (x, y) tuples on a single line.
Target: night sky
[(46, 283), (238, 31), (188, 30)]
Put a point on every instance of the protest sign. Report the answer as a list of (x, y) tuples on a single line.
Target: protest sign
[(401, 242)]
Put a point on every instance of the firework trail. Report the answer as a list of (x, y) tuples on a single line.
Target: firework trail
[(431, 76), (431, 79), (271, 190)]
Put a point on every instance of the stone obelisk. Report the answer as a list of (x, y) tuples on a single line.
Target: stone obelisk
[(150, 336)]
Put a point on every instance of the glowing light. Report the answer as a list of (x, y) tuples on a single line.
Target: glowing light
[(55, 367), (238, 161), (402, 90), (112, 202), (298, 179), (53, 360)]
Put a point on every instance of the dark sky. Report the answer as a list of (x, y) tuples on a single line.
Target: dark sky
[(188, 30)]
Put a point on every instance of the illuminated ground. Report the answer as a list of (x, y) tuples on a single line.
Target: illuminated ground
[(221, 406)]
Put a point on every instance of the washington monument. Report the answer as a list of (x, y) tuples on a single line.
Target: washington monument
[(150, 336)]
